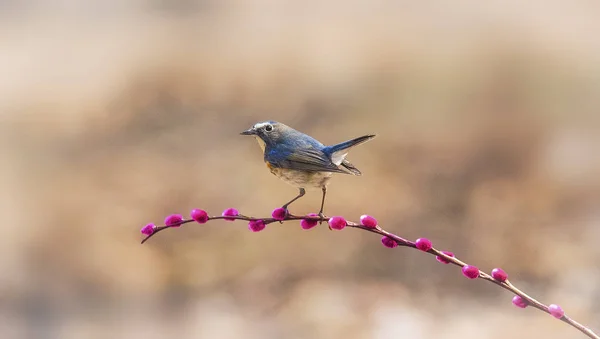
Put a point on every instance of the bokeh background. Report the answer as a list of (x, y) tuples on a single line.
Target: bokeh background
[(117, 113)]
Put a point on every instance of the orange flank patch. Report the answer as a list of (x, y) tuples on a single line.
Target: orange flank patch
[(269, 165)]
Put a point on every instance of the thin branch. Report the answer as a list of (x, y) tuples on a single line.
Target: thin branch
[(506, 284)]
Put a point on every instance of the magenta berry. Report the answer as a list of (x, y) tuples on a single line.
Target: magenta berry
[(230, 212), (309, 223), (148, 229), (442, 259), (256, 225), (173, 220), (499, 274), (556, 311), (200, 216), (337, 223), (470, 271), (389, 242), (519, 302), (279, 213), (423, 244), (368, 221)]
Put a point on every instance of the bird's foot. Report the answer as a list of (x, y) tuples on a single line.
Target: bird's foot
[(287, 213), (322, 216)]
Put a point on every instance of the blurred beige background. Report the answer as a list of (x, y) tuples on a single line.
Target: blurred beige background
[(117, 113)]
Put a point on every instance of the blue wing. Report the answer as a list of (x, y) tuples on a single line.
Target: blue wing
[(302, 159)]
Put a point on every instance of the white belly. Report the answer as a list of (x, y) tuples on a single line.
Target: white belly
[(302, 179)]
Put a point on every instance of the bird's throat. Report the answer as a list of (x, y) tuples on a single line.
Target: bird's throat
[(261, 143)]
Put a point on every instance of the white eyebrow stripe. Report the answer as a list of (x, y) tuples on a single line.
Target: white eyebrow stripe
[(261, 125)]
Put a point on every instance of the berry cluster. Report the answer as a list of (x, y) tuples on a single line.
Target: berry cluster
[(368, 223)]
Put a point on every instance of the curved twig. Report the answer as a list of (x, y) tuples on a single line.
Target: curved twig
[(442, 256)]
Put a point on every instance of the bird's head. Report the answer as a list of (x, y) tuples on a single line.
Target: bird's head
[(267, 132)]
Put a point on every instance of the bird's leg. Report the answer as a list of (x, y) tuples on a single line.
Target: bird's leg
[(300, 194), (324, 189)]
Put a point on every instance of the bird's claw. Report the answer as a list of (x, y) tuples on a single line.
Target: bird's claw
[(322, 216), (287, 213)]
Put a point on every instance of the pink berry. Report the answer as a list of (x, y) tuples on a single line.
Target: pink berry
[(256, 225), (519, 302), (499, 274), (200, 216), (337, 223), (423, 244), (556, 311), (368, 221), (309, 223), (173, 220), (230, 212), (148, 229), (470, 271), (279, 213), (442, 259), (389, 242)]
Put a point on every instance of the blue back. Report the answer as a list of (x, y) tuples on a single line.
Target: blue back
[(287, 148)]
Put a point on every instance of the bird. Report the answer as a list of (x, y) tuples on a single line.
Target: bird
[(300, 160)]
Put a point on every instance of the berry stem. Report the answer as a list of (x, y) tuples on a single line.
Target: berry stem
[(507, 285)]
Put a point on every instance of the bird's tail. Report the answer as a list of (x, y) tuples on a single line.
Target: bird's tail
[(338, 152)]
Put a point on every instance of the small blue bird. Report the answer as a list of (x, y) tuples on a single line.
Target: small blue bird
[(300, 160)]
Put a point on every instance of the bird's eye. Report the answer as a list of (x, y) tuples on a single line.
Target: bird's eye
[(269, 128)]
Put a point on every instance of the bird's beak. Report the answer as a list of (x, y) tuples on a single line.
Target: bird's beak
[(250, 131)]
